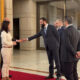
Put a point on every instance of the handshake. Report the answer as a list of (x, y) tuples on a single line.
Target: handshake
[(22, 40), (19, 41)]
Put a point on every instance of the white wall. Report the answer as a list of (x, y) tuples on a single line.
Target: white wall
[(9, 11), (25, 10)]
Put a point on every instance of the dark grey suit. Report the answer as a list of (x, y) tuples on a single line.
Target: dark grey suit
[(71, 39), (69, 47), (61, 32), (51, 40)]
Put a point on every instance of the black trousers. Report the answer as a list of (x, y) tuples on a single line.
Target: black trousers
[(69, 69), (53, 56)]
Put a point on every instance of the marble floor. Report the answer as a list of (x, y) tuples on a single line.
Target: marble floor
[(34, 62)]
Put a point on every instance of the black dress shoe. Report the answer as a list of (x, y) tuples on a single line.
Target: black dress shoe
[(49, 77), (58, 78), (10, 76)]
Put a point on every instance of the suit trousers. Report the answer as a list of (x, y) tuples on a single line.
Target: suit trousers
[(53, 56), (69, 70), (6, 55)]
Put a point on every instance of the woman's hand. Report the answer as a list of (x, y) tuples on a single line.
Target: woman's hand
[(22, 40), (14, 43)]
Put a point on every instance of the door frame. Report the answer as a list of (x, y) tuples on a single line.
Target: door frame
[(38, 26), (19, 29)]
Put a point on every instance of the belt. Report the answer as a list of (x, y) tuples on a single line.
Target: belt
[(6, 47)]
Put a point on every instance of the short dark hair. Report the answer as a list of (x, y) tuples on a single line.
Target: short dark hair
[(68, 19), (44, 19), (4, 26)]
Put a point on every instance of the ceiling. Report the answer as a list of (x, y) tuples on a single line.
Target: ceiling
[(72, 4)]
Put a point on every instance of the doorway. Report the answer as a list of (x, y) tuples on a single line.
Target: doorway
[(16, 31), (51, 10)]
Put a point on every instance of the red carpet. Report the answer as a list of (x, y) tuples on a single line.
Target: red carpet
[(25, 76)]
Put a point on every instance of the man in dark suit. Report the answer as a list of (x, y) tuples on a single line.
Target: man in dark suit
[(51, 40), (60, 27), (69, 46)]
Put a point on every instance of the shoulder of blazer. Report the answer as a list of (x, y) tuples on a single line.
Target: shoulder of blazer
[(72, 28), (51, 26), (69, 28)]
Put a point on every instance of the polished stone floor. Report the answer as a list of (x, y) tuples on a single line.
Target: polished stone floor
[(34, 62)]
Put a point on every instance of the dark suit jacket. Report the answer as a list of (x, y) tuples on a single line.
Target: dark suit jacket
[(51, 38), (78, 47), (61, 32), (70, 44)]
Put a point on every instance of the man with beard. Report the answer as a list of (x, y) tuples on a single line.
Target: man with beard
[(51, 40)]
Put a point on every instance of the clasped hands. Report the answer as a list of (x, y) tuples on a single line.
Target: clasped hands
[(22, 40), (78, 55)]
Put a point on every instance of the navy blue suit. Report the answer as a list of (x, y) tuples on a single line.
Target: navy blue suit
[(52, 41)]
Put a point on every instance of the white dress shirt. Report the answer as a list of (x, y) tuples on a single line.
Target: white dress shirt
[(45, 28)]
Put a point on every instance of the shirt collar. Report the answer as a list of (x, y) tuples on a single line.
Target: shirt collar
[(59, 27), (46, 26), (69, 25)]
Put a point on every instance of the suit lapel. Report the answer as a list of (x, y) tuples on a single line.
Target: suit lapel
[(47, 29), (43, 32)]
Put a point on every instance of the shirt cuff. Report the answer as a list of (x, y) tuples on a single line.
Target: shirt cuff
[(27, 39)]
